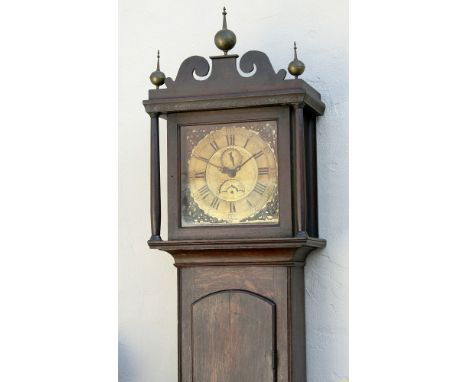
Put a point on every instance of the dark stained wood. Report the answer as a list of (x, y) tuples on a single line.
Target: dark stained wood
[(235, 101), (273, 257), (297, 324), (266, 282), (248, 243), (179, 324), (299, 174), (240, 288), (311, 174), (155, 180), (207, 332), (226, 88), (224, 77), (267, 251), (233, 337)]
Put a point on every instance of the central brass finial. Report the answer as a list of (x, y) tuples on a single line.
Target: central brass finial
[(225, 39), (296, 67), (157, 78)]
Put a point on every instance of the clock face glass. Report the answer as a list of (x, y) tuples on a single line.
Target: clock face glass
[(229, 174)]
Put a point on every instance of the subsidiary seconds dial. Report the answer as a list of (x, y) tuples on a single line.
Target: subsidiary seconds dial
[(232, 174)]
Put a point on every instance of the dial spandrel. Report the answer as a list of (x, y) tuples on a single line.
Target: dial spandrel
[(230, 174)]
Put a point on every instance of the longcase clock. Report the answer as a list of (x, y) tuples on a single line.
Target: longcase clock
[(242, 202)]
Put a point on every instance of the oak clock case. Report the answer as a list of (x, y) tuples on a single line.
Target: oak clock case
[(242, 211), (230, 166)]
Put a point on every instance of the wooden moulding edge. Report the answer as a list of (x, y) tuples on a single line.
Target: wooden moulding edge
[(228, 244), (271, 251)]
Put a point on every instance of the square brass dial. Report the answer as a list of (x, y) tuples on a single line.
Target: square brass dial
[(229, 174)]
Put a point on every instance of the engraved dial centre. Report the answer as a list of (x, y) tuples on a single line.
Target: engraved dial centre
[(238, 180)]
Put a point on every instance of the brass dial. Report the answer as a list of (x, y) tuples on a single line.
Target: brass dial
[(232, 173)]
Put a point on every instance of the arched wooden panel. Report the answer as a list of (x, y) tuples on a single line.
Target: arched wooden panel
[(233, 338)]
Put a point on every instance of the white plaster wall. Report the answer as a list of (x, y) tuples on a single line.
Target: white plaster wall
[(147, 278)]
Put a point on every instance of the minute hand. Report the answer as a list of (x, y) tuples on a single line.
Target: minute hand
[(241, 165)]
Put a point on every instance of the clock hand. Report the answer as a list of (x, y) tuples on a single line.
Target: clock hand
[(242, 164), (232, 158), (207, 161), (224, 170)]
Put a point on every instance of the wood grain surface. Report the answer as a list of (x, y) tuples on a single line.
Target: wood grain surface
[(233, 338)]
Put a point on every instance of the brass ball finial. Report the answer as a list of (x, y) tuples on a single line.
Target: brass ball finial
[(225, 39), (157, 78), (296, 67)]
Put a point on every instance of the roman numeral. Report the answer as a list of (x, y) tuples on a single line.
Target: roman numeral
[(246, 142), (263, 171), (230, 138), (214, 145), (215, 203), (258, 155), (232, 207), (260, 188), (204, 191), (200, 174), (250, 204), (202, 159)]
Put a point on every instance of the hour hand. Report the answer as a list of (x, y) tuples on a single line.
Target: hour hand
[(207, 161)]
